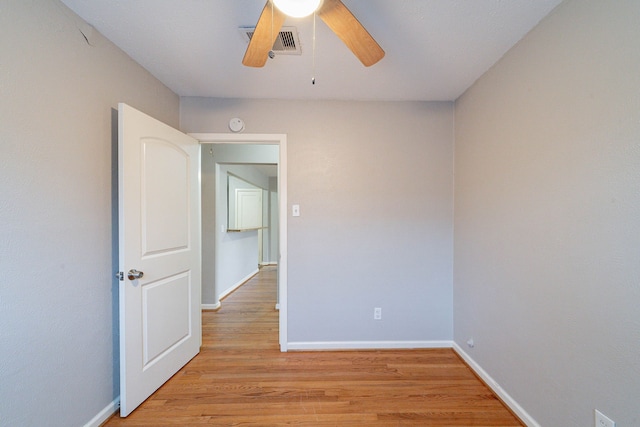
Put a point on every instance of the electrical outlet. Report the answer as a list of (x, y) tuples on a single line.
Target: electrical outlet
[(603, 421), (377, 313)]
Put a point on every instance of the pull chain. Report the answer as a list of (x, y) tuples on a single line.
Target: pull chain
[(313, 71), (271, 53)]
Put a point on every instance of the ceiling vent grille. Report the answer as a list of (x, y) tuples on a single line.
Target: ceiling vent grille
[(287, 42)]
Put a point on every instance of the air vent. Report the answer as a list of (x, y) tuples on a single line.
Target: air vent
[(287, 42)]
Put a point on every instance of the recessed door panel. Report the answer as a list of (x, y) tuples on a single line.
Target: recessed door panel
[(165, 315), (165, 197)]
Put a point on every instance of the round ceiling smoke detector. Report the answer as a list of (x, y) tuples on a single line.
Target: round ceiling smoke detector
[(236, 125)]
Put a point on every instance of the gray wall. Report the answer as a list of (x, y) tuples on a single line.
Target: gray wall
[(272, 252), (57, 257), (547, 246), (547, 238), (374, 183)]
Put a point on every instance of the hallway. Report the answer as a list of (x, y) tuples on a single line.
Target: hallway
[(241, 378)]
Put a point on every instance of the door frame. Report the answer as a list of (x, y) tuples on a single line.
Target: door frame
[(281, 141)]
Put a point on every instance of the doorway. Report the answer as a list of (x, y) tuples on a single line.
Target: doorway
[(281, 141)]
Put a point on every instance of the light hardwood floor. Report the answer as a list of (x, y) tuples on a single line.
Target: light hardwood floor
[(240, 378)]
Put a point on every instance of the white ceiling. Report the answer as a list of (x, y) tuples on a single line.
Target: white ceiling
[(435, 49)]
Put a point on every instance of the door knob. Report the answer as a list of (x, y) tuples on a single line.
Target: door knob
[(134, 274)]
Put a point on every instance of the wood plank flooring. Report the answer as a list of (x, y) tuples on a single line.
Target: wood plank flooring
[(241, 378)]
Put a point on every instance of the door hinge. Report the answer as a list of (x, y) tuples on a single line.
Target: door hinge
[(120, 275)]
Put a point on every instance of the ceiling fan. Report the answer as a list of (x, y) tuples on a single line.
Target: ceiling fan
[(333, 12)]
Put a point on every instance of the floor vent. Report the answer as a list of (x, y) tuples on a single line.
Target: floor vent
[(287, 42)]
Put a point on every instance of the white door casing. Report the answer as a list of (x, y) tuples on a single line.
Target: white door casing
[(281, 141), (159, 235)]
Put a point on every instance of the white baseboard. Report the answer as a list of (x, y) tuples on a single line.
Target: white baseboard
[(237, 285), (211, 306), (367, 345), (269, 263), (496, 388), (105, 414)]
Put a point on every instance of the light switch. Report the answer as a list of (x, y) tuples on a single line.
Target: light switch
[(295, 210)]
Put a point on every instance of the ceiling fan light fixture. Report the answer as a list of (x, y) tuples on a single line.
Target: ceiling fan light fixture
[(297, 8)]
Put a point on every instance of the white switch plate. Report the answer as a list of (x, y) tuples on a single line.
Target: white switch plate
[(295, 210), (377, 313), (603, 421)]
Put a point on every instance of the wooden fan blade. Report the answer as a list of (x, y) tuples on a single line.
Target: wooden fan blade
[(264, 36), (340, 19)]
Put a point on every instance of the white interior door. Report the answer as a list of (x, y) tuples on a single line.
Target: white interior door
[(248, 208), (159, 235)]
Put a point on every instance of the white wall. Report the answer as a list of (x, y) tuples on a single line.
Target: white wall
[(374, 183), (547, 238), (58, 296)]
